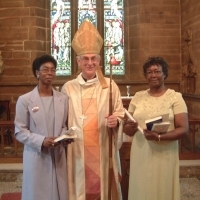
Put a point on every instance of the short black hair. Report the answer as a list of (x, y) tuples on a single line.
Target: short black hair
[(159, 61), (41, 60)]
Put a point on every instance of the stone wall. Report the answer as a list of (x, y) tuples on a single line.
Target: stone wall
[(152, 28), (24, 34), (190, 45)]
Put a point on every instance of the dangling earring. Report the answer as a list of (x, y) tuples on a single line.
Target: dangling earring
[(38, 76)]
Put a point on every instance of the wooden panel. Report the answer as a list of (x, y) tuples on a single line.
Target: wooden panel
[(125, 165), (190, 144), (10, 149), (126, 101), (4, 109)]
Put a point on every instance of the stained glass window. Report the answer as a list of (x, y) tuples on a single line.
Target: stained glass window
[(87, 10), (113, 23), (114, 37), (61, 35)]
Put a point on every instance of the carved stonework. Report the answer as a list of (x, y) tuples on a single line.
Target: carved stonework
[(1, 64), (188, 36), (189, 70)]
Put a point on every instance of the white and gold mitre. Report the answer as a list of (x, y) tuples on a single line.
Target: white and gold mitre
[(87, 39)]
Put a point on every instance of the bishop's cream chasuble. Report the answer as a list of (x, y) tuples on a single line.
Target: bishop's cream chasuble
[(91, 142), (88, 155)]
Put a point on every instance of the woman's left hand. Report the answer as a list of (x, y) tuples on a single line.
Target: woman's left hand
[(151, 135)]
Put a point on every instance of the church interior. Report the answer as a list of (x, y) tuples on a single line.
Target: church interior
[(166, 28)]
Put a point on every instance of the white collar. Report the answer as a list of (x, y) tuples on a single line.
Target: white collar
[(88, 82)]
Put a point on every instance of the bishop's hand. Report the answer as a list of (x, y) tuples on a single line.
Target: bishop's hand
[(112, 121)]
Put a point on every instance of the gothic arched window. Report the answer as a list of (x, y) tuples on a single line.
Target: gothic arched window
[(107, 16)]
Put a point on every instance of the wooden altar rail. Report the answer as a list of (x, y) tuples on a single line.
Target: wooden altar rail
[(7, 140), (9, 152), (193, 151)]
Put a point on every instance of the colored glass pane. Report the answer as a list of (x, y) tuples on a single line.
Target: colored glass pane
[(114, 37), (61, 22), (87, 11), (61, 35)]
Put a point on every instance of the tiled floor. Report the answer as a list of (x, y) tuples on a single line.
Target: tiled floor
[(7, 187), (190, 187)]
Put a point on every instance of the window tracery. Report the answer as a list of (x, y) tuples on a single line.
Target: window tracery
[(112, 19)]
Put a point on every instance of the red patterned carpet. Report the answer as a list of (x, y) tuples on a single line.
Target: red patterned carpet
[(11, 196)]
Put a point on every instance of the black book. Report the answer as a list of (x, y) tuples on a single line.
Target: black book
[(150, 122)]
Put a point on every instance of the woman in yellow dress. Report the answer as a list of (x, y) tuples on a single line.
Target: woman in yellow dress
[(154, 159)]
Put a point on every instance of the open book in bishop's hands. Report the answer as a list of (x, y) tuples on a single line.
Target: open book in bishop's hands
[(156, 124), (69, 135)]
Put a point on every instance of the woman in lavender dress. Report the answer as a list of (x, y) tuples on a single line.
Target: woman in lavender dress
[(41, 117)]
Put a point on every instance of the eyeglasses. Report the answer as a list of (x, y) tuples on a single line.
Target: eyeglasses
[(46, 70), (150, 73), (87, 59)]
